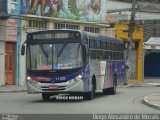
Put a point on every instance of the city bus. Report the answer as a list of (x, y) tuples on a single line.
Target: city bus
[(73, 62)]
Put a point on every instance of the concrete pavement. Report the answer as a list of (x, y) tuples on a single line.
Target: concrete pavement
[(12, 88), (152, 100)]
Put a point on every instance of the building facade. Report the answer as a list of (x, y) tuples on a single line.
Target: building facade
[(18, 17), (136, 53), (9, 40), (149, 19), (87, 15)]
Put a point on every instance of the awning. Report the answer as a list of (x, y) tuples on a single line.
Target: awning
[(152, 43)]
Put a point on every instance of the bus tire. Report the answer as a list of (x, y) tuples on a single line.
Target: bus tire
[(90, 95), (112, 90), (45, 97)]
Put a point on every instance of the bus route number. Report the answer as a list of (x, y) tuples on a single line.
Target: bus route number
[(60, 78)]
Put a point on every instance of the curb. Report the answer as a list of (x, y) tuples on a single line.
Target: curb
[(12, 91), (150, 104), (143, 85)]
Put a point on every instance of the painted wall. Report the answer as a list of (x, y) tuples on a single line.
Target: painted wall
[(112, 5), (83, 10), (10, 31), (3, 6), (9, 7), (138, 36), (2, 62), (12, 27), (3, 34), (3, 10)]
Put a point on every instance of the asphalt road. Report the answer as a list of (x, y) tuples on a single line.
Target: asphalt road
[(127, 100)]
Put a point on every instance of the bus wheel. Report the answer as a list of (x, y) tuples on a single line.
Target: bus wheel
[(112, 90), (90, 95), (45, 97)]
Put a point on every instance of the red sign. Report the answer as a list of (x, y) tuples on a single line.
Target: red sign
[(139, 55), (39, 78), (12, 30), (54, 87), (44, 67)]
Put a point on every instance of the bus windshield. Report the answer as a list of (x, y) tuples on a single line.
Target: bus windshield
[(54, 56)]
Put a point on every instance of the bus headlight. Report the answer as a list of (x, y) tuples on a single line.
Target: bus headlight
[(29, 78), (79, 76)]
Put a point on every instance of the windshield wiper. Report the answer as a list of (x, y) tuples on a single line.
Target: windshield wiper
[(60, 52), (44, 51)]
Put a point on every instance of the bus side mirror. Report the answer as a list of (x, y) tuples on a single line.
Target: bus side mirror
[(23, 49)]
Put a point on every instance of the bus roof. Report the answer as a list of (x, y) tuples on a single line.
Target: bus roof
[(39, 31), (102, 37), (110, 39), (84, 33)]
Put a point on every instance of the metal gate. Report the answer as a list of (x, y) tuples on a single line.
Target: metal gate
[(152, 64)]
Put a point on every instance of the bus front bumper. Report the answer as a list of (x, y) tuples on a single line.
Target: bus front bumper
[(70, 86)]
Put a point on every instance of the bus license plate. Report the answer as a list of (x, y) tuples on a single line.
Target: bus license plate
[(53, 87)]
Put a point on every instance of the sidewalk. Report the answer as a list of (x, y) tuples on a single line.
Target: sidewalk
[(152, 100), (12, 88)]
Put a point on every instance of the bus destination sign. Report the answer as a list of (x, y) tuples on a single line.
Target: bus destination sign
[(43, 36)]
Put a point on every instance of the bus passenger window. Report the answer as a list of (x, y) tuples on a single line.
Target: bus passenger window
[(85, 60), (92, 54), (98, 45)]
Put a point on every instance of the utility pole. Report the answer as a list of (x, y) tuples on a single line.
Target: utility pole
[(130, 37)]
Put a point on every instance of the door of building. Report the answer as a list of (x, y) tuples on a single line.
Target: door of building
[(10, 63), (152, 64)]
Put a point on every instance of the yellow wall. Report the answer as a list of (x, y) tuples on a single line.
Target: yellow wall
[(137, 37)]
